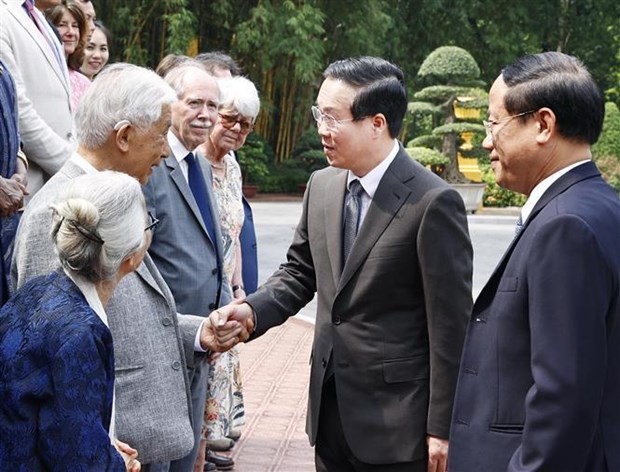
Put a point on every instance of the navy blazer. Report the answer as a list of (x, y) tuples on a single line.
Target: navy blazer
[(539, 382), (56, 380)]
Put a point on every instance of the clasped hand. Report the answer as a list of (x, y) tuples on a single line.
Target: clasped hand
[(229, 326)]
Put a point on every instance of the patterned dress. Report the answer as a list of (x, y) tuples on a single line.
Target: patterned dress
[(56, 381), (224, 409)]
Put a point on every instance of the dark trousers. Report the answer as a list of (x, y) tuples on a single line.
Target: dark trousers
[(333, 454)]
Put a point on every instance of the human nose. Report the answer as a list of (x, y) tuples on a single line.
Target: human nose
[(487, 142)]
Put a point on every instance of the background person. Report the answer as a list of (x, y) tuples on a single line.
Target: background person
[(56, 352), (96, 52), (13, 168), (69, 20), (223, 66), (239, 106), (187, 246), (539, 380), (32, 53)]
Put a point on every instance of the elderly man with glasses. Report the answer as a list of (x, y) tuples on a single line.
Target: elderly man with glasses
[(539, 381)]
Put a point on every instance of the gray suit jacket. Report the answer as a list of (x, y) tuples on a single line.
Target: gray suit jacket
[(393, 319), (181, 248), (152, 390), (43, 91)]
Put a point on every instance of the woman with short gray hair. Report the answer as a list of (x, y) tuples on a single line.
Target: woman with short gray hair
[(56, 352)]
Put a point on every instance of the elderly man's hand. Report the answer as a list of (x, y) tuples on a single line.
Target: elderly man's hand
[(11, 196), (437, 454), (130, 456), (227, 327), (237, 312)]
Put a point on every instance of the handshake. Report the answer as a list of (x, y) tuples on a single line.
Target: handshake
[(227, 326)]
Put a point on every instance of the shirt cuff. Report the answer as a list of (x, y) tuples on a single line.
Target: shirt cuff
[(197, 345)]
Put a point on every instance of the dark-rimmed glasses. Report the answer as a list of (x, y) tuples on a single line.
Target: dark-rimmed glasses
[(229, 121), (488, 125)]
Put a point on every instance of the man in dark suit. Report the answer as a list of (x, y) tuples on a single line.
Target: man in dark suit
[(539, 381), (391, 316), (187, 244)]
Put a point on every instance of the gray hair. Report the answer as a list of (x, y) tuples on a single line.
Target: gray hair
[(120, 92), (97, 222), (177, 76), (240, 94)]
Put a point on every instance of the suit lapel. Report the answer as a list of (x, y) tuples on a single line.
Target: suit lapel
[(176, 174), (22, 17), (334, 203), (575, 175), (390, 196)]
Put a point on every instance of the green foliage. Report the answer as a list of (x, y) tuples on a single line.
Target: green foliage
[(440, 93), (252, 157), (426, 156), (457, 128), (448, 65), (427, 141), (181, 26), (610, 170), (494, 195), (608, 143), (422, 108)]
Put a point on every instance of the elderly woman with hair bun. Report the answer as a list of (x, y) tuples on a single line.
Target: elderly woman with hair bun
[(56, 353)]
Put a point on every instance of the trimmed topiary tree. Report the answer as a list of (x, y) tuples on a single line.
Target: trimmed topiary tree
[(454, 75), (606, 151)]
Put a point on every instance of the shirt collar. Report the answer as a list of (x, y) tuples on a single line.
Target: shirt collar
[(83, 164), (542, 187), (179, 151), (370, 181)]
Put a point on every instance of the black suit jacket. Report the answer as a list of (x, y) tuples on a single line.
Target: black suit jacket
[(393, 318), (539, 384)]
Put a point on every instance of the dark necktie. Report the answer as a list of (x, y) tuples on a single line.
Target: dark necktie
[(198, 186), (352, 213), (519, 226)]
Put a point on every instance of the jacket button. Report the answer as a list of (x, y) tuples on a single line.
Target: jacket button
[(324, 363), (166, 321), (214, 271), (212, 306), (337, 321), (176, 365)]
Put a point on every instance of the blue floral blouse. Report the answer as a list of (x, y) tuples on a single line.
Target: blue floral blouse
[(56, 381)]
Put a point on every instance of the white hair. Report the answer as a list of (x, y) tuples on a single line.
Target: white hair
[(178, 75), (240, 94), (120, 92), (97, 222)]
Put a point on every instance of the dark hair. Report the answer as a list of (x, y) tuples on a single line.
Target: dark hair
[(104, 30), (563, 84), (382, 88), (218, 60), (54, 15)]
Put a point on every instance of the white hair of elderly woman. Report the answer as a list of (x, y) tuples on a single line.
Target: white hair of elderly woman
[(239, 94), (97, 222), (120, 92)]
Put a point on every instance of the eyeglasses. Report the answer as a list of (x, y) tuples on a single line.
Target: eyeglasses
[(488, 125), (229, 121), (152, 221), (329, 121)]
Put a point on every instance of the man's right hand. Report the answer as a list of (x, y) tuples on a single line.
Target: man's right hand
[(237, 311)]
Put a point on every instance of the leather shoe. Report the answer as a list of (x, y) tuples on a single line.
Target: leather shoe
[(223, 444), (234, 434), (209, 467), (220, 461)]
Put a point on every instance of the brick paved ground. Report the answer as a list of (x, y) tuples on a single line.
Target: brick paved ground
[(275, 372)]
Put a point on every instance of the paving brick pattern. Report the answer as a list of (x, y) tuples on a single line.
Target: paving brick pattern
[(275, 371)]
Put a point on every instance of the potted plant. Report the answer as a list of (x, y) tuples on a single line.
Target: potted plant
[(454, 100)]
